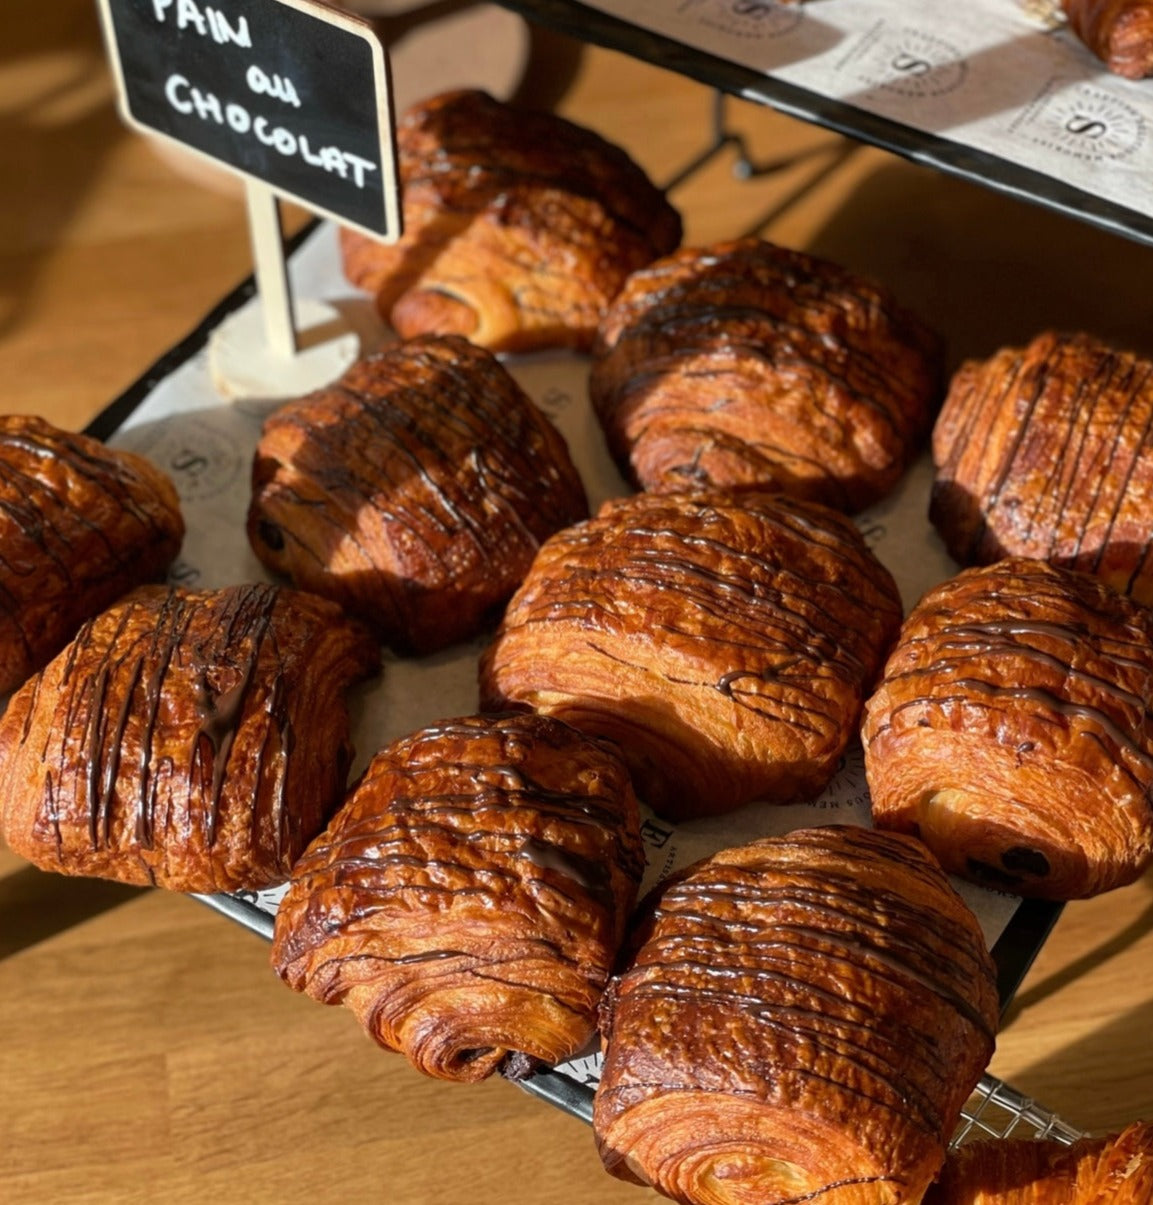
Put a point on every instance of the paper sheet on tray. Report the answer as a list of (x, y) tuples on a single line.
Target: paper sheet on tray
[(986, 74), (206, 446)]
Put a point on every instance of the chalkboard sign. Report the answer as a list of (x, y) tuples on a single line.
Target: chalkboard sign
[(292, 93)]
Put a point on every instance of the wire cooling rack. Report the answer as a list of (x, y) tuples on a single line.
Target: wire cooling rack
[(996, 1110)]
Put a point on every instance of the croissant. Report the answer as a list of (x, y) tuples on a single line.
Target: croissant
[(724, 642), (1119, 32), (1114, 1170), (519, 227), (1011, 731), (194, 740), (414, 492), (468, 900), (80, 525), (745, 364), (1047, 452), (803, 1021)]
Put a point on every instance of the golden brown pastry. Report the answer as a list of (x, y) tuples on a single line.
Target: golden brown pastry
[(1012, 731), (725, 643), (1047, 452), (745, 364), (194, 740), (1119, 32), (415, 491), (519, 227), (80, 525), (803, 1022), (1114, 1170), (468, 900)]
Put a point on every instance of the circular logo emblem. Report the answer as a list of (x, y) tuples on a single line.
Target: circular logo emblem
[(913, 63), (201, 460), (751, 18), (1086, 123)]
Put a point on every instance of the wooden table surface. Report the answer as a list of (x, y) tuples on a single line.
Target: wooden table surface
[(147, 1051)]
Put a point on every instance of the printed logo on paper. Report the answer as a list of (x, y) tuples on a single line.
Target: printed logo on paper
[(1082, 121), (202, 460), (748, 19), (909, 62)]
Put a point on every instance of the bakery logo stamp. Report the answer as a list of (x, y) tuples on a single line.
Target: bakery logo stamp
[(1082, 121), (908, 61), (203, 461), (749, 20)]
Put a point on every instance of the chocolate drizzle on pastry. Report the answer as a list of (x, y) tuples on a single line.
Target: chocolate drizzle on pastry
[(805, 1016), (1047, 452), (468, 900), (192, 740), (725, 643), (415, 491), (1013, 730), (519, 227), (747, 365), (80, 525)]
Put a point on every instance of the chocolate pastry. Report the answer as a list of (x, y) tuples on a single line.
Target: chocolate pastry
[(1012, 731), (519, 227), (1119, 32), (415, 491), (194, 740), (80, 525), (1114, 1170), (803, 1021), (724, 642), (1047, 452), (748, 365), (468, 900)]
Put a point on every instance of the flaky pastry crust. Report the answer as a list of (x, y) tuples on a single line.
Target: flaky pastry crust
[(194, 740), (1047, 452), (1119, 32), (1113, 1170), (468, 900), (724, 642), (415, 491), (1012, 731), (745, 364), (519, 227), (804, 1020), (80, 525)]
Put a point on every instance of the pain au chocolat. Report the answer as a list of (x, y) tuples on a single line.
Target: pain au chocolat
[(1012, 731), (803, 1021), (468, 900), (1113, 1170), (1047, 451), (80, 525), (519, 227), (745, 364), (194, 740), (1118, 32), (724, 642), (415, 491)]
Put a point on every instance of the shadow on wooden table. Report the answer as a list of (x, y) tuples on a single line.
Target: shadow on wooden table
[(37, 905)]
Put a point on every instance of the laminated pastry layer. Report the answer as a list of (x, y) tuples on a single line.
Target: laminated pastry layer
[(519, 226), (1118, 32), (726, 643), (1012, 730), (1046, 451), (803, 1021), (745, 364), (194, 740), (415, 491), (468, 900), (80, 525)]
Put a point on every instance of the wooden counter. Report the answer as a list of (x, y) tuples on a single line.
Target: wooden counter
[(148, 1053)]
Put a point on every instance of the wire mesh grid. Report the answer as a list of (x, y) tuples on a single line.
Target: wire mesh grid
[(996, 1110)]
